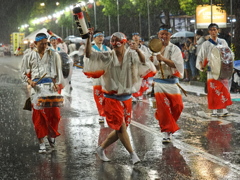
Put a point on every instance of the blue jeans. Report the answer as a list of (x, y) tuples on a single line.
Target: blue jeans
[(192, 63)]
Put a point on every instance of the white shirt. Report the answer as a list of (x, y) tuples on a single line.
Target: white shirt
[(119, 78), (173, 53)]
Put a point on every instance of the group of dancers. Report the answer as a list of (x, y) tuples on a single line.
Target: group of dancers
[(117, 74)]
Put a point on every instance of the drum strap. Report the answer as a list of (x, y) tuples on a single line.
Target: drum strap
[(213, 42), (44, 80)]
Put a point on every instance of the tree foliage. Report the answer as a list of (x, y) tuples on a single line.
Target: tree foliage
[(133, 15)]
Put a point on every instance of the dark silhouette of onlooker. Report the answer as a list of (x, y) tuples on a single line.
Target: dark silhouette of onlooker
[(191, 48)]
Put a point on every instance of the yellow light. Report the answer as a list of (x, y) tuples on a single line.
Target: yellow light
[(42, 4), (57, 3)]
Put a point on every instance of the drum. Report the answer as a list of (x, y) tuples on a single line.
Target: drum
[(221, 62), (65, 64), (50, 101)]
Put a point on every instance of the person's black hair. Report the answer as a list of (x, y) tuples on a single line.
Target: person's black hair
[(213, 25), (164, 26), (199, 32)]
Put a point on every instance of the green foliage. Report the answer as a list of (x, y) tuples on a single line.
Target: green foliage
[(189, 6), (203, 76)]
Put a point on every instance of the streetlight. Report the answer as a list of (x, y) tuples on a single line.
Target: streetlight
[(109, 24), (149, 33), (95, 17), (118, 15), (231, 20)]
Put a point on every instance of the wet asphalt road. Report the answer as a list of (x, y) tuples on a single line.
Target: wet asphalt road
[(205, 147)]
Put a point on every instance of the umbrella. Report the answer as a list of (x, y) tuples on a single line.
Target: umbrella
[(73, 39), (184, 34)]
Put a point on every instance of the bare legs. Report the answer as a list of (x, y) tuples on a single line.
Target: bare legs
[(113, 137), (120, 134), (40, 140)]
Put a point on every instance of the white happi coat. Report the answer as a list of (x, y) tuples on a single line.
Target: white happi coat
[(125, 78), (97, 81), (65, 81), (173, 53), (205, 51), (35, 66)]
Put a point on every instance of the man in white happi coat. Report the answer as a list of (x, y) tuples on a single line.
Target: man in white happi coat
[(218, 93), (136, 38), (121, 72), (98, 45), (67, 83), (167, 93), (34, 65)]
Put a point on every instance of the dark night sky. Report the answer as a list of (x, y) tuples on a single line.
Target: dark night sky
[(12, 11)]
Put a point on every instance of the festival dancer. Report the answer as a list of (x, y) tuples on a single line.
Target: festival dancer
[(34, 65), (136, 38), (98, 38), (120, 71), (67, 65), (167, 93), (218, 93)]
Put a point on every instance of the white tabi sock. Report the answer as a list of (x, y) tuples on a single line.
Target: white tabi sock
[(134, 157), (225, 111), (214, 111), (101, 154)]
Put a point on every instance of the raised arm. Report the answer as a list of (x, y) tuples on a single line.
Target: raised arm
[(88, 48), (134, 46)]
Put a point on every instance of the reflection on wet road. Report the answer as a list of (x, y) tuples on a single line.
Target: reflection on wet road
[(204, 148)]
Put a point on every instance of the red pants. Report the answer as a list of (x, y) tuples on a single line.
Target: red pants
[(117, 112), (169, 108), (218, 94), (46, 122), (98, 97)]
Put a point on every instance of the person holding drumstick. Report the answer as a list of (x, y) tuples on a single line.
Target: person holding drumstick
[(169, 103), (39, 69), (217, 90), (121, 75)]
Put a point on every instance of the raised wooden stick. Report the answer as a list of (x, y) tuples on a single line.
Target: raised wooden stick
[(161, 69)]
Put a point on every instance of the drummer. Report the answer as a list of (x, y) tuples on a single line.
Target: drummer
[(167, 93), (34, 65), (67, 81), (218, 90)]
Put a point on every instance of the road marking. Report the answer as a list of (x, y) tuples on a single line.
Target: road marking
[(191, 149), (12, 68)]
